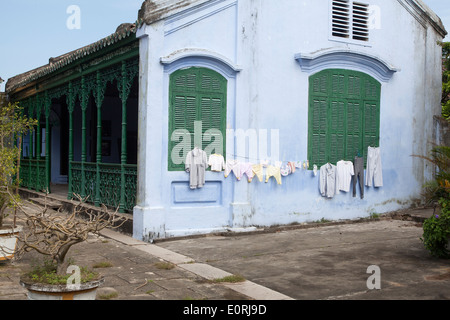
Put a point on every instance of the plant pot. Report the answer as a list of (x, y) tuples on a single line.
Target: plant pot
[(40, 291), (8, 242)]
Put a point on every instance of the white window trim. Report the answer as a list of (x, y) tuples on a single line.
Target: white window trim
[(347, 40)]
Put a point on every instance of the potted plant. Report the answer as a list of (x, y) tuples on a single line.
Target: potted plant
[(13, 124), (52, 234)]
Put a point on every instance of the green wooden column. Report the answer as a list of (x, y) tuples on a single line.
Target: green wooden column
[(38, 147), (47, 106), (21, 152), (123, 153), (70, 98), (99, 94), (30, 147), (129, 71), (84, 104)]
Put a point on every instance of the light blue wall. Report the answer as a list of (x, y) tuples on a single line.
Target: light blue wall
[(267, 50)]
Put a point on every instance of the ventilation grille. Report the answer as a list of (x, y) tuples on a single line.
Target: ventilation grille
[(341, 18), (360, 21), (350, 20)]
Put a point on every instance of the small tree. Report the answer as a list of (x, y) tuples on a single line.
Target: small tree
[(13, 124), (53, 234)]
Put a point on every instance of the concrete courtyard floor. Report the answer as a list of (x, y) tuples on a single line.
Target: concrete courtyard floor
[(328, 261)]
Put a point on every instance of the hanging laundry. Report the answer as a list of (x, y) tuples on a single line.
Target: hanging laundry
[(315, 169), (274, 171), (265, 163), (247, 169), (216, 162), (233, 166), (374, 169), (292, 166), (327, 180), (257, 169), (358, 168), (344, 174), (285, 170), (195, 165)]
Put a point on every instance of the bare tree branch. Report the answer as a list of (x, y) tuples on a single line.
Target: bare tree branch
[(53, 234)]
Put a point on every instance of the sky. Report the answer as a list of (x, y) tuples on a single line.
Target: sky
[(32, 31)]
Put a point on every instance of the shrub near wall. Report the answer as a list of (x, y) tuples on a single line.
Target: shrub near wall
[(436, 229)]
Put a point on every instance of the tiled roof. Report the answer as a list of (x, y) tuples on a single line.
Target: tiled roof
[(123, 31)]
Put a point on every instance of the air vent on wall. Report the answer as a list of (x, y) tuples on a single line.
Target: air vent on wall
[(360, 21), (350, 20), (341, 18)]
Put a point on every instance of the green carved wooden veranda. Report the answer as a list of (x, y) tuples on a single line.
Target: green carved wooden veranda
[(99, 183)]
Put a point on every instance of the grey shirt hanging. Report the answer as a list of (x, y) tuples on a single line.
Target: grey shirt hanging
[(196, 163)]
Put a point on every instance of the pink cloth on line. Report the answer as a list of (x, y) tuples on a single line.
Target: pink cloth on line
[(246, 168)]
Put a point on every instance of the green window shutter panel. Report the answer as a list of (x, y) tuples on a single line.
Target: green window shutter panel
[(338, 84), (372, 90), (210, 83), (212, 118), (354, 86), (197, 94), (344, 115), (371, 125), (184, 112), (187, 81), (337, 126), (318, 124), (319, 85), (354, 130), (337, 117)]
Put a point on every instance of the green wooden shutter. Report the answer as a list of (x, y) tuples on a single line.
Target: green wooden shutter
[(371, 107), (319, 85), (212, 115), (354, 86), (318, 131), (370, 126), (213, 111), (337, 84), (197, 94), (344, 115), (318, 118), (354, 115), (183, 117), (354, 130), (337, 125)]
